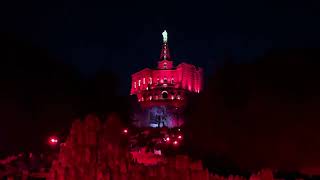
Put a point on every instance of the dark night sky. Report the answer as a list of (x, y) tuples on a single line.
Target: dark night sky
[(68, 38), (125, 36)]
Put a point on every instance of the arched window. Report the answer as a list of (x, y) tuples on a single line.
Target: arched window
[(144, 80), (150, 80), (139, 82), (165, 80), (164, 64), (164, 94)]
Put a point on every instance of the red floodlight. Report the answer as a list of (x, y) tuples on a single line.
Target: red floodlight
[(53, 140), (125, 131), (175, 142), (179, 137)]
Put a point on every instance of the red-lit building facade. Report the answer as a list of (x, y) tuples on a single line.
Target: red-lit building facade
[(162, 92)]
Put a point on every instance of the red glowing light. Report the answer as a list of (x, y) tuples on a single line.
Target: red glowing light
[(53, 140), (179, 137), (125, 131), (175, 142), (167, 139)]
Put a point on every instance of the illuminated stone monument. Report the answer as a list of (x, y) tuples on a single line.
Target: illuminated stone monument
[(163, 92)]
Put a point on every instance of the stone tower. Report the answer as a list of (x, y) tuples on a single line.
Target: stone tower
[(163, 92)]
